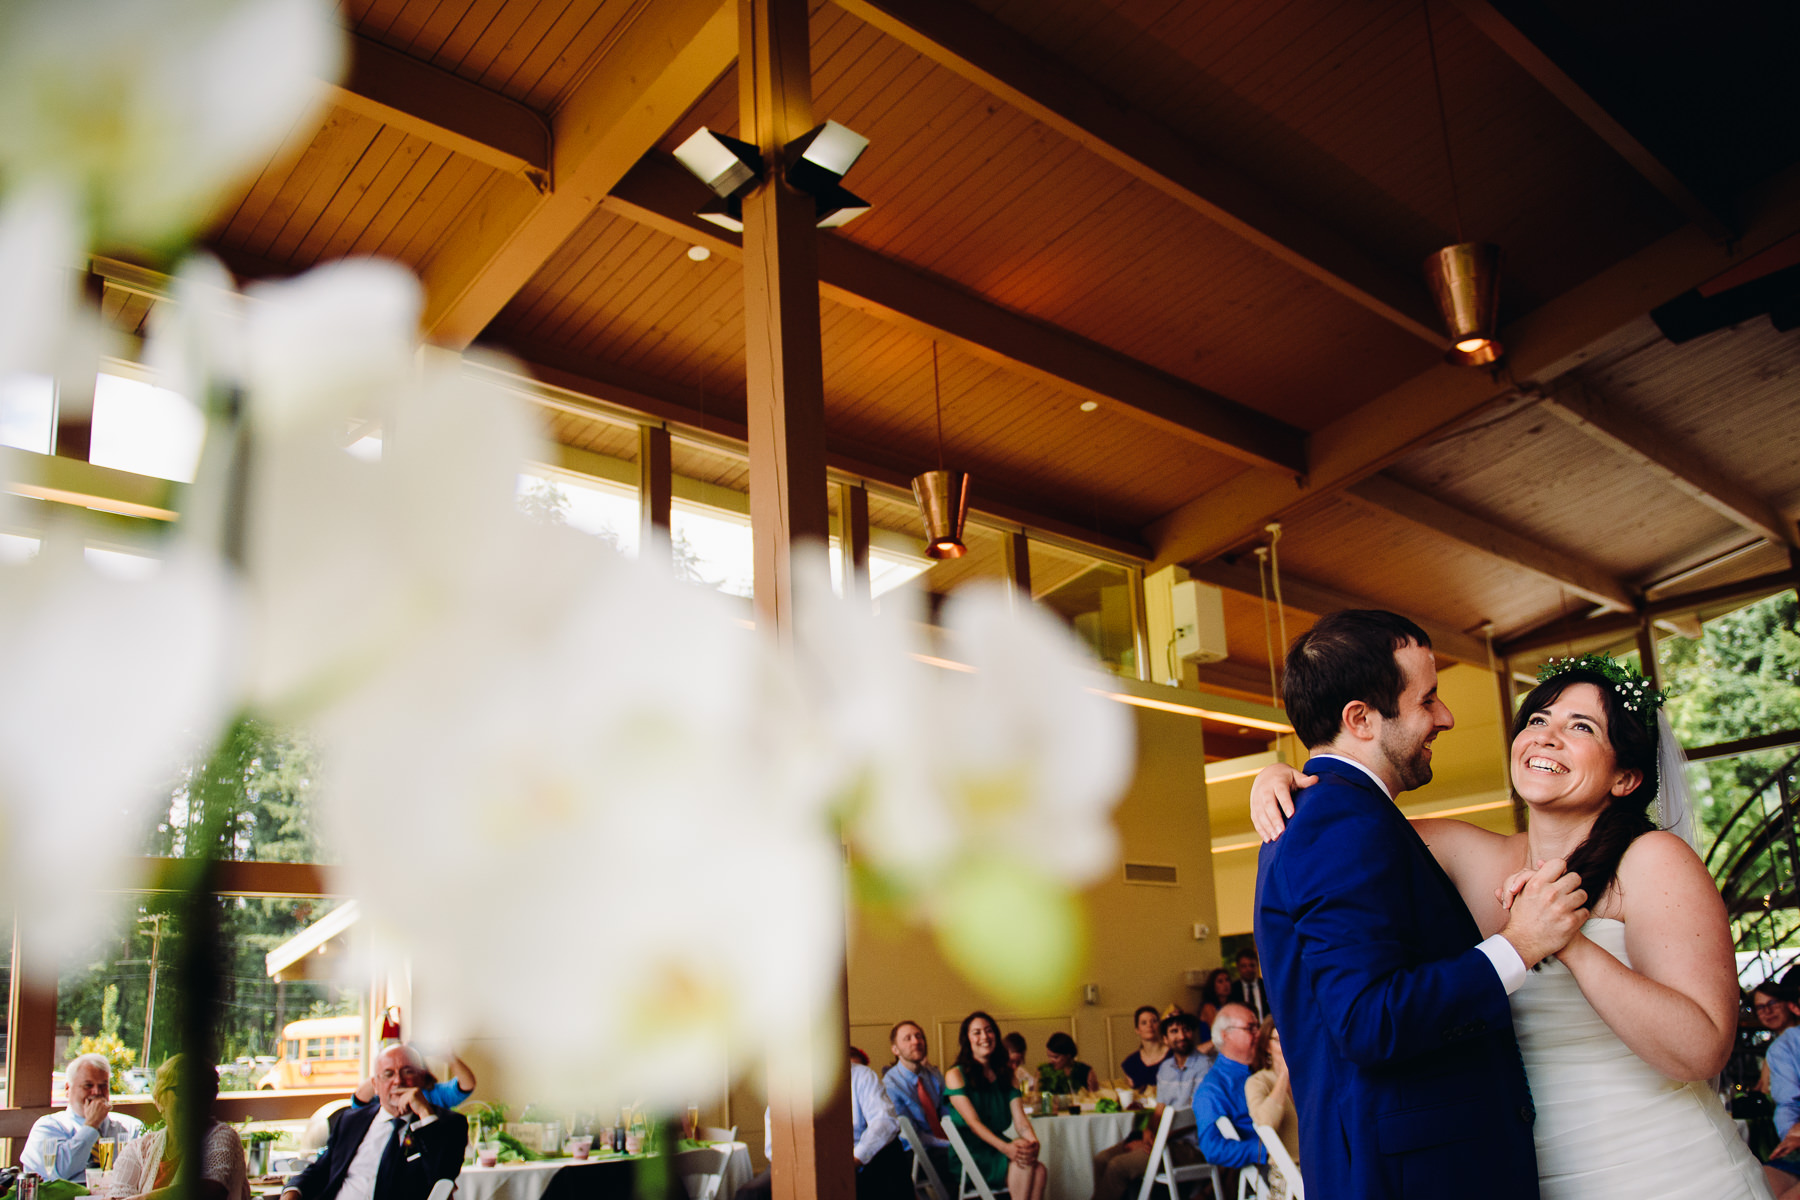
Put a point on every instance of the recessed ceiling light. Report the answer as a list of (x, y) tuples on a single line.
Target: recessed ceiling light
[(699, 253), (1089, 405)]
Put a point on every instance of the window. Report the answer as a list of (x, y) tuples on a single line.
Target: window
[(145, 429), (1094, 596), (28, 412)]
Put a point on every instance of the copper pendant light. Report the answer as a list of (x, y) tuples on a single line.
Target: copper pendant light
[(942, 496), (1464, 278)]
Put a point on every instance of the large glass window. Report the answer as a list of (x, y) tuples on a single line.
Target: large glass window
[(145, 429), (28, 412), (897, 557), (1094, 596)]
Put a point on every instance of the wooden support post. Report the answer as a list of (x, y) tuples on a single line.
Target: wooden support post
[(1508, 704), (789, 517), (1646, 643), (1018, 566), (656, 491), (853, 539), (785, 404), (1140, 623), (31, 1033)]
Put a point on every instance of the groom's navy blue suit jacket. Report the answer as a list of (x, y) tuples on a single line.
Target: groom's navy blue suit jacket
[(1396, 1028)]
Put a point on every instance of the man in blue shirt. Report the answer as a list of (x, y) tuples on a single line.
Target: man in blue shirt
[(61, 1145), (916, 1089), (1178, 1074), (1221, 1093), (1118, 1167)]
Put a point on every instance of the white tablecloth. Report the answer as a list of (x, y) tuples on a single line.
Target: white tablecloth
[(527, 1181), (1067, 1146)]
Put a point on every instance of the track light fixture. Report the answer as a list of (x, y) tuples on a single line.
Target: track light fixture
[(817, 162)]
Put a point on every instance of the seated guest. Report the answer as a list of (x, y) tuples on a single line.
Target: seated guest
[(448, 1094), (916, 1091), (1222, 1093), (858, 1055), (1140, 1065), (396, 1149), (1270, 1095), (984, 1102), (1023, 1079), (61, 1145), (1118, 1167), (1063, 1050), (883, 1171), (151, 1167), (1775, 1009), (1216, 992), (1181, 1072)]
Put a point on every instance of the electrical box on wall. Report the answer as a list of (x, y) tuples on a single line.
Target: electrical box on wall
[(1199, 620)]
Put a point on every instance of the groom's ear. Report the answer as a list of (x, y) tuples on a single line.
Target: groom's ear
[(1358, 720)]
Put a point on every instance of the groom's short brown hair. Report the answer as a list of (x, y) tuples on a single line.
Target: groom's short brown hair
[(1348, 655)]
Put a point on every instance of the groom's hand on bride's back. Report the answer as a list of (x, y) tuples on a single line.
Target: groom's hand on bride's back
[(1548, 909)]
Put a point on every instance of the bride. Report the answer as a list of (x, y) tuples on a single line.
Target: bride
[(1622, 1030)]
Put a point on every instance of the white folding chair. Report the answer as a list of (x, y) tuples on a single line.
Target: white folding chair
[(702, 1171), (972, 1182), (926, 1183), (1250, 1180), (1162, 1168), (712, 1133), (1293, 1187), (441, 1189)]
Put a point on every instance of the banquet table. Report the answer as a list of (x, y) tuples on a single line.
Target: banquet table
[(1067, 1145), (531, 1180)]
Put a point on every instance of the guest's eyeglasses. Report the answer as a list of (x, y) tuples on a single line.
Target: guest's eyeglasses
[(1770, 1006)]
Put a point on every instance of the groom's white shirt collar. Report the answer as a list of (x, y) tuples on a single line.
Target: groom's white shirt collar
[(1372, 775), (1507, 963)]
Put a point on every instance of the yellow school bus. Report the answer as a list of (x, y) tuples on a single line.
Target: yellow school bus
[(319, 1052)]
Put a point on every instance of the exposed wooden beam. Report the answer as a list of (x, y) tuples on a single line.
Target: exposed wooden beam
[(1543, 345), (557, 379), (1616, 626), (1394, 498), (1520, 46), (965, 40), (660, 194), (1318, 599), (665, 59), (418, 98), (1676, 464), (853, 542)]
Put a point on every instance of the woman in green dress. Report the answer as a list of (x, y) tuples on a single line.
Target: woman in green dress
[(984, 1102)]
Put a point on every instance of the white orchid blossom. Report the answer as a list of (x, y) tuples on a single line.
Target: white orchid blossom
[(150, 111), (109, 686)]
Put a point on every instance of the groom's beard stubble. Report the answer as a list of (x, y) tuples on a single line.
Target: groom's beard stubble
[(1411, 763)]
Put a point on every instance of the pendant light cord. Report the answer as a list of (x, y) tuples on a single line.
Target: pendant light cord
[(937, 392), (1437, 83)]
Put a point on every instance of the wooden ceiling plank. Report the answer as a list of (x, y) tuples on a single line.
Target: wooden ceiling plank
[(477, 60), (315, 178), (511, 57), (372, 201), (658, 68), (351, 197), (999, 60), (429, 159), (1518, 46), (1318, 599), (407, 93), (1676, 464), (411, 22), (659, 193), (470, 29), (463, 184), (1390, 496), (1542, 346)]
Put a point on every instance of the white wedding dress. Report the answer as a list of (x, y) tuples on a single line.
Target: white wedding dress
[(1608, 1124)]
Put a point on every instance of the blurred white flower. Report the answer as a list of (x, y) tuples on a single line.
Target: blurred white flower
[(40, 241), (151, 110), (106, 687)]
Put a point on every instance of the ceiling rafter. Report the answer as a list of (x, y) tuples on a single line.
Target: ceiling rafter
[(659, 194), (429, 102), (1319, 599), (1542, 345), (968, 42), (1523, 49), (1664, 457), (1394, 498), (1577, 633), (660, 65)]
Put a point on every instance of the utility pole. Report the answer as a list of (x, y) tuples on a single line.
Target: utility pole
[(155, 920)]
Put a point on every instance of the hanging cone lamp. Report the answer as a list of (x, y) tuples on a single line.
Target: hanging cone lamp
[(942, 496), (1464, 278)]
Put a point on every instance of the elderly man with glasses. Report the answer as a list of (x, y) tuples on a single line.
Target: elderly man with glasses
[(1221, 1093)]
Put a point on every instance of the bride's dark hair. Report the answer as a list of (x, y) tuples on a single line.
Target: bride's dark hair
[(1626, 818)]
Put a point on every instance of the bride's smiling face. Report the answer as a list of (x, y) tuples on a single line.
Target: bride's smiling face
[(1563, 758)]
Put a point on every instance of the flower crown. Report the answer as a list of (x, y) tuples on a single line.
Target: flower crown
[(1634, 691)]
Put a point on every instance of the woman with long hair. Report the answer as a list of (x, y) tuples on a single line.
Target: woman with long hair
[(1622, 1029), (150, 1168), (984, 1102), (1269, 1093), (1214, 995)]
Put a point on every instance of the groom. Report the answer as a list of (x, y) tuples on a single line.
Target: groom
[(1393, 1019)]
